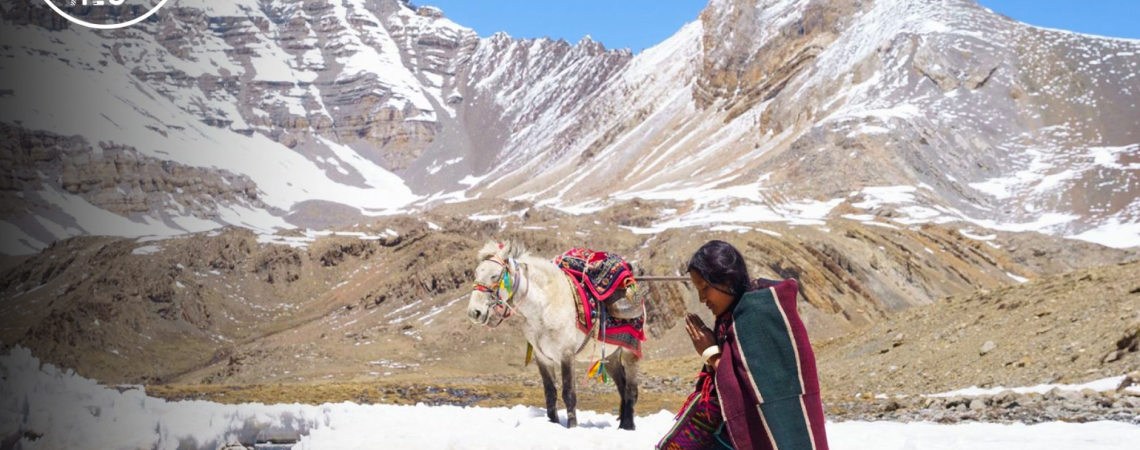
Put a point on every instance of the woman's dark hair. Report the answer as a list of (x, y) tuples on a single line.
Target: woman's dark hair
[(719, 263)]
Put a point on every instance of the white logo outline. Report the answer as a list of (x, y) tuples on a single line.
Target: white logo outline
[(105, 26)]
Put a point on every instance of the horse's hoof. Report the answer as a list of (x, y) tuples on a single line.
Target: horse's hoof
[(572, 423), (627, 426)]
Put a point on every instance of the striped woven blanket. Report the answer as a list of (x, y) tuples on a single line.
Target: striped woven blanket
[(766, 378)]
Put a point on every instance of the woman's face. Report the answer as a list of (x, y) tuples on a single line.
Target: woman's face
[(716, 298)]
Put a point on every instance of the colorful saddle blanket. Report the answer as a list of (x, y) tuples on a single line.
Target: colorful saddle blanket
[(597, 275)]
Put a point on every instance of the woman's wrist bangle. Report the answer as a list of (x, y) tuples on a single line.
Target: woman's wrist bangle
[(710, 352)]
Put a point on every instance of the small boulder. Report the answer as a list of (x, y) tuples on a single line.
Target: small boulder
[(1129, 380), (1006, 397), (430, 11), (232, 444)]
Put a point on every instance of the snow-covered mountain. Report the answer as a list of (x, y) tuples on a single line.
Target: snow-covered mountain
[(270, 114), (917, 110), (261, 114)]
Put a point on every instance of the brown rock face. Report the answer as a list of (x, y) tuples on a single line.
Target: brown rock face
[(753, 48), (112, 177)]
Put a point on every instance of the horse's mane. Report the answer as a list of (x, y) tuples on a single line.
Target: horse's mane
[(505, 250)]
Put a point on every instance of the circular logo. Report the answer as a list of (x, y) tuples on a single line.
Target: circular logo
[(89, 5)]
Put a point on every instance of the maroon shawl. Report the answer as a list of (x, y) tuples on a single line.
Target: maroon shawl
[(766, 378)]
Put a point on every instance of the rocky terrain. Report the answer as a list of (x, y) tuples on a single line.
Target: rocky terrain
[(386, 299), (1064, 329), (908, 367)]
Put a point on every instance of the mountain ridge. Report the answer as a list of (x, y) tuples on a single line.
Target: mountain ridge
[(382, 108)]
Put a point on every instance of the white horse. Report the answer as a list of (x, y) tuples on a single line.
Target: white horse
[(509, 281)]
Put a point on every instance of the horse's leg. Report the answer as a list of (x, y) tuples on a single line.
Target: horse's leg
[(616, 368), (569, 396), (629, 363), (546, 370)]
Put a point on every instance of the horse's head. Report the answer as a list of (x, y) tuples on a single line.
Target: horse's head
[(496, 279)]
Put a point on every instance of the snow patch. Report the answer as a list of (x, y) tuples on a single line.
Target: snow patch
[(1101, 385), (146, 250), (70, 411)]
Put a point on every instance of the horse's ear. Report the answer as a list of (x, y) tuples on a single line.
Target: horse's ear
[(514, 250), (492, 248)]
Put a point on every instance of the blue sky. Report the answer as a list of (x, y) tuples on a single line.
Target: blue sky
[(639, 24)]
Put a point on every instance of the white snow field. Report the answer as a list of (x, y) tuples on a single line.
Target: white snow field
[(69, 411)]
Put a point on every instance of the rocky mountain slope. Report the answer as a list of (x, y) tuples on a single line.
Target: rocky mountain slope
[(1073, 328), (901, 368), (793, 111), (390, 296)]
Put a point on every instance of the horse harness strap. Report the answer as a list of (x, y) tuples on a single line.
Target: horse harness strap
[(509, 282)]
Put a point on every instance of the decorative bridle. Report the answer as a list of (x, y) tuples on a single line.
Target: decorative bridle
[(509, 281)]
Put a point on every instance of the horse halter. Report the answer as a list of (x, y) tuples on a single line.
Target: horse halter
[(508, 282)]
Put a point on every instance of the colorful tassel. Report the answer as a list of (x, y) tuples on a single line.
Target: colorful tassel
[(507, 283), (598, 372)]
